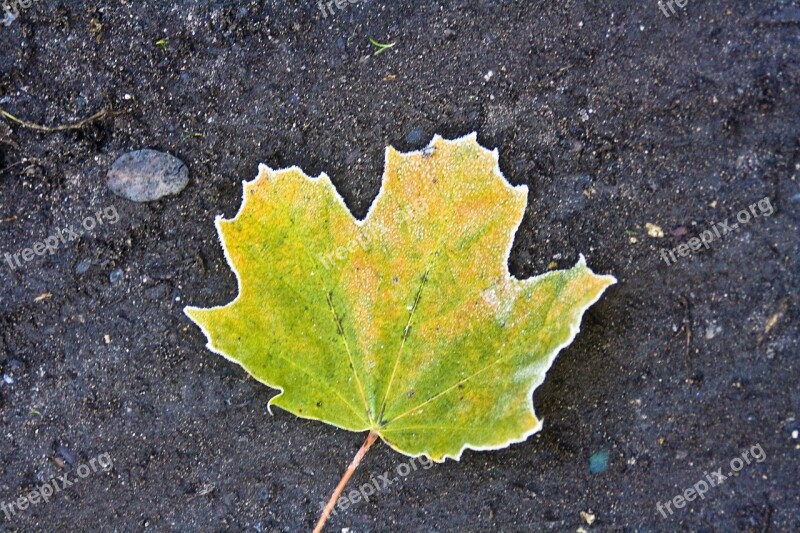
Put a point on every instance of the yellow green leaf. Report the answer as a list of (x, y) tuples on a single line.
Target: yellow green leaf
[(406, 323)]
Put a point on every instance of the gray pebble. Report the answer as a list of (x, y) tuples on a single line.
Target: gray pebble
[(416, 136), (147, 175), (116, 276)]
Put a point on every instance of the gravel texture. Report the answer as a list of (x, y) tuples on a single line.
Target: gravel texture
[(615, 116)]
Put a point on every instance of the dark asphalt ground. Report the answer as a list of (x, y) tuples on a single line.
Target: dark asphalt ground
[(615, 115)]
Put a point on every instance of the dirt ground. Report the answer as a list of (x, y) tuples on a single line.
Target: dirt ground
[(624, 123)]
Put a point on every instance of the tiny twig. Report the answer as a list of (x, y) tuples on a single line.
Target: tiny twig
[(50, 129), (371, 438), (774, 319), (688, 324), (12, 165), (10, 143), (34, 163)]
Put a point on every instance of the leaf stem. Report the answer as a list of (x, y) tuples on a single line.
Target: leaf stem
[(371, 438)]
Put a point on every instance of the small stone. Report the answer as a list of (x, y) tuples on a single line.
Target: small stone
[(8, 379), (83, 266), (713, 330), (416, 136), (795, 434), (116, 276), (654, 231), (147, 175), (589, 518), (208, 488), (598, 463)]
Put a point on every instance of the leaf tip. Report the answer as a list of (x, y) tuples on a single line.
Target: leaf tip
[(607, 279), (264, 171)]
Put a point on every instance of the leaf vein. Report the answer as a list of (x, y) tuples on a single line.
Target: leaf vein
[(464, 380)]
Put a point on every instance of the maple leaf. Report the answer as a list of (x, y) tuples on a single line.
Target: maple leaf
[(406, 324)]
